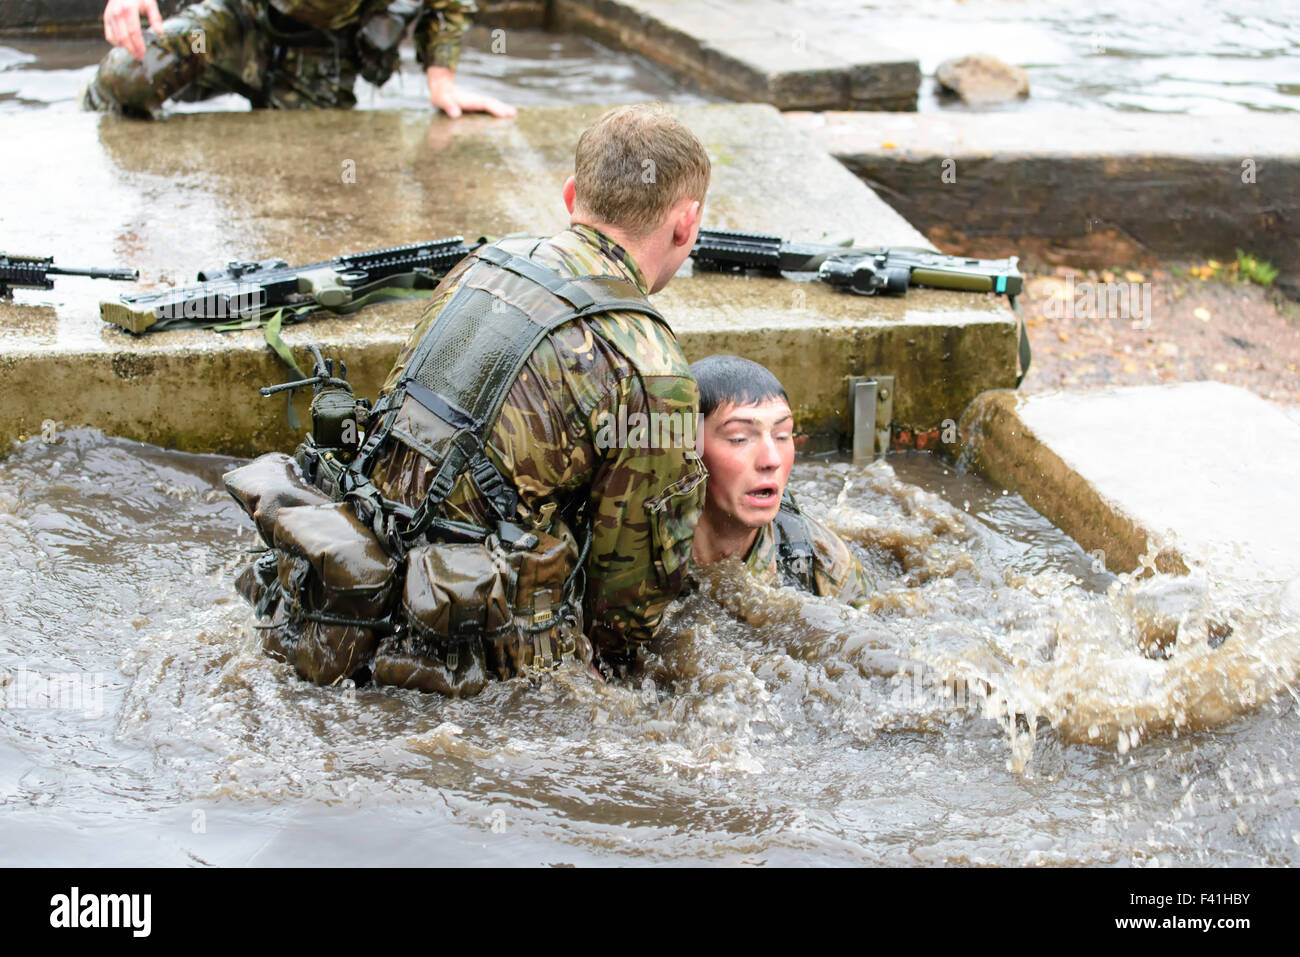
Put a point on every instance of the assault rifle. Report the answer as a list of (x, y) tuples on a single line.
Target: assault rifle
[(34, 272), (862, 271), (244, 290)]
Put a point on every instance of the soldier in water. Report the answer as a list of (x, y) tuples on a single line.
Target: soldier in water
[(281, 54), (747, 444), (507, 526)]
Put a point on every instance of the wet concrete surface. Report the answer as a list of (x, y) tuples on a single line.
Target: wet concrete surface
[(1192, 476), (1165, 56), (198, 190), (754, 50)]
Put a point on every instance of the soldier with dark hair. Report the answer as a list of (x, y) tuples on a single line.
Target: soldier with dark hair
[(747, 444), (278, 53)]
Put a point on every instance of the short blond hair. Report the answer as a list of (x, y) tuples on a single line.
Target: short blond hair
[(634, 163)]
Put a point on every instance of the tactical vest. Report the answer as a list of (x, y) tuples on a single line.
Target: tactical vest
[(440, 605), (794, 550)]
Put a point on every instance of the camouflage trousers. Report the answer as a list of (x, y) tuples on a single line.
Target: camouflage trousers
[(228, 46)]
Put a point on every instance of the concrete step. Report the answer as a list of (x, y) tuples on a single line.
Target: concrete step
[(1198, 474), (198, 190), (752, 50)]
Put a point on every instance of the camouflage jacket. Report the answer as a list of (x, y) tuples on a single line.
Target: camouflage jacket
[(836, 572), (561, 441), (438, 30)]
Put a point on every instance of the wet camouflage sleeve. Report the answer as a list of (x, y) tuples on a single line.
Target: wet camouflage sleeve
[(440, 30), (837, 573), (646, 503)]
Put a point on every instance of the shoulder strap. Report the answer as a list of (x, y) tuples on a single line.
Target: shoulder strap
[(472, 354), (794, 544)]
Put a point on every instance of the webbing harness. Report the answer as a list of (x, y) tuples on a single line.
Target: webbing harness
[(462, 370), (793, 545)]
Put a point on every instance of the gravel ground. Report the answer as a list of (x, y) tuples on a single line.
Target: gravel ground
[(1094, 329)]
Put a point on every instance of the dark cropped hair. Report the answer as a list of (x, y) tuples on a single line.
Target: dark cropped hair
[(724, 379)]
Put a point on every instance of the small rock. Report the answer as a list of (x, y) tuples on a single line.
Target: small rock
[(979, 79)]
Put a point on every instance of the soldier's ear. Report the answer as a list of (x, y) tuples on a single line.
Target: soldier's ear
[(570, 194), (687, 215)]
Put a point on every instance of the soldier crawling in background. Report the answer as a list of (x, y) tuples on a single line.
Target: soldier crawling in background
[(489, 525), (282, 54), (747, 444)]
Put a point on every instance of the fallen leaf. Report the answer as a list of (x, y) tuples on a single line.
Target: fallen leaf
[(1062, 335), (1130, 366), (1221, 367), (1132, 276), (1201, 313), (889, 145)]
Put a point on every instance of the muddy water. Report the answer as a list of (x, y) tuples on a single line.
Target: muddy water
[(142, 724), (1163, 56)]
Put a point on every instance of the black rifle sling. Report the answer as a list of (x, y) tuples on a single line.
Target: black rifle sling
[(794, 545), (474, 351)]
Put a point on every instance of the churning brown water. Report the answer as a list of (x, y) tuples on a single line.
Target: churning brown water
[(142, 725)]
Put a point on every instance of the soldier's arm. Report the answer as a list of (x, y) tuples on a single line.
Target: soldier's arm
[(122, 24), (836, 570), (439, 33), (645, 503)]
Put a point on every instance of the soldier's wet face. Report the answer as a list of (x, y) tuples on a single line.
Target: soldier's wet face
[(749, 452)]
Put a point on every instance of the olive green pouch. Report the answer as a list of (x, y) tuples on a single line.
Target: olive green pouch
[(546, 629), (455, 596), (266, 485), (337, 583)]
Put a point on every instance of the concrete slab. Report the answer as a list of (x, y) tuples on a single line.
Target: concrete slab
[(198, 190), (1202, 473), (1091, 189), (752, 50)]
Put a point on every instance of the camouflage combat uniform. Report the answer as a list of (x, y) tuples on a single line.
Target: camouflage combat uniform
[(642, 503), (284, 54), (836, 572)]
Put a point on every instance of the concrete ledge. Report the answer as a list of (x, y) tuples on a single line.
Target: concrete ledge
[(742, 49), (1091, 189), (200, 189), (1201, 472)]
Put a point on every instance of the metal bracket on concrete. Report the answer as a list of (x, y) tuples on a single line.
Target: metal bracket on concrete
[(871, 408)]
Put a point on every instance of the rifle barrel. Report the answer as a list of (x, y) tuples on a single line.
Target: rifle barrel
[(122, 275)]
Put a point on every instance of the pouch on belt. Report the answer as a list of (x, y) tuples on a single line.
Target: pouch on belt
[(547, 629), (476, 610), (338, 586), (266, 485), (455, 596)]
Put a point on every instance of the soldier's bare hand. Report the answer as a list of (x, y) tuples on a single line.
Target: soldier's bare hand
[(122, 24), (444, 94)]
